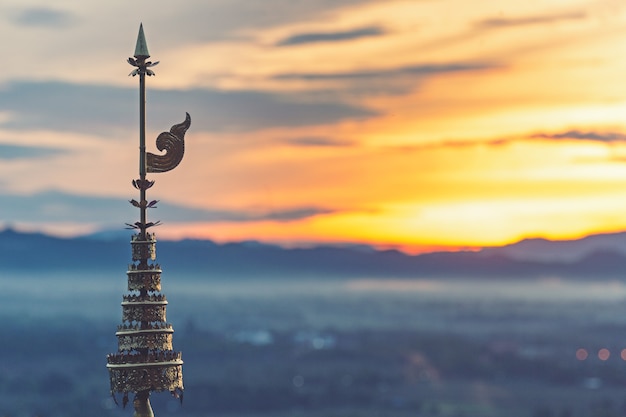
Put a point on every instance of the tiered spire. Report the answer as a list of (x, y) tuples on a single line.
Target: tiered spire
[(145, 360)]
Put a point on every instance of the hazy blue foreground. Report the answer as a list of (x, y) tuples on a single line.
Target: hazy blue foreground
[(307, 346)]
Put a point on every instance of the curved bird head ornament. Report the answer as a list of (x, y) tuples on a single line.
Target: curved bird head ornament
[(173, 143)]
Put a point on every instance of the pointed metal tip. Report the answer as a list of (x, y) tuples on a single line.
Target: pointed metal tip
[(141, 49)]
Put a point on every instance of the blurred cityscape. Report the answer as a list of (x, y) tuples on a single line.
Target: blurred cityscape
[(326, 345)]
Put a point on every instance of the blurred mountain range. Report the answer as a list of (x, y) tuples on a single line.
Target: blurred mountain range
[(596, 256), (561, 250)]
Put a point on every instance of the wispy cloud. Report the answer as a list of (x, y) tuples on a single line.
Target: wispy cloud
[(185, 214), (339, 36), (570, 135), (606, 137), (317, 141), (415, 70), (215, 20), (104, 110), (56, 206), (493, 26), (44, 17), (10, 152), (498, 22), (294, 214)]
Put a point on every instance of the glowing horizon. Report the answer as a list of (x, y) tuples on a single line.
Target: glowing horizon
[(415, 125)]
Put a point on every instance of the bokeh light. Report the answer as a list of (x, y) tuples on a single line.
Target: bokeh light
[(604, 354)]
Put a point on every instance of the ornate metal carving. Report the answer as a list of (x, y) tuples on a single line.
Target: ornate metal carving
[(160, 375), (144, 249), (157, 339), (148, 278), (138, 311), (173, 142), (145, 360)]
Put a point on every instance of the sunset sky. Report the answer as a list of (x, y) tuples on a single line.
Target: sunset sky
[(411, 124)]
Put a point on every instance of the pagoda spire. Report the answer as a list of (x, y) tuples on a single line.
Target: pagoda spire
[(145, 360)]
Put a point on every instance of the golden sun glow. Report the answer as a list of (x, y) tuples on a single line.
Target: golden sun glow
[(405, 124)]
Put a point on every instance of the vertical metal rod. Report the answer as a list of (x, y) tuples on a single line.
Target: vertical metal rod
[(142, 147), (142, 405)]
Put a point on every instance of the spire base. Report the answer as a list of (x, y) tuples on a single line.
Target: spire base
[(142, 405)]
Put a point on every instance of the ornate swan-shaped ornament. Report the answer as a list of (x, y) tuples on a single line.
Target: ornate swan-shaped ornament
[(173, 143)]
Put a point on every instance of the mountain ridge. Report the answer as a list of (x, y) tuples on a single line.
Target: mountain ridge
[(595, 256), (566, 250)]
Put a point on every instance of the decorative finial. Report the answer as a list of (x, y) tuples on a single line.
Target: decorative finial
[(141, 49), (141, 54), (145, 360)]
